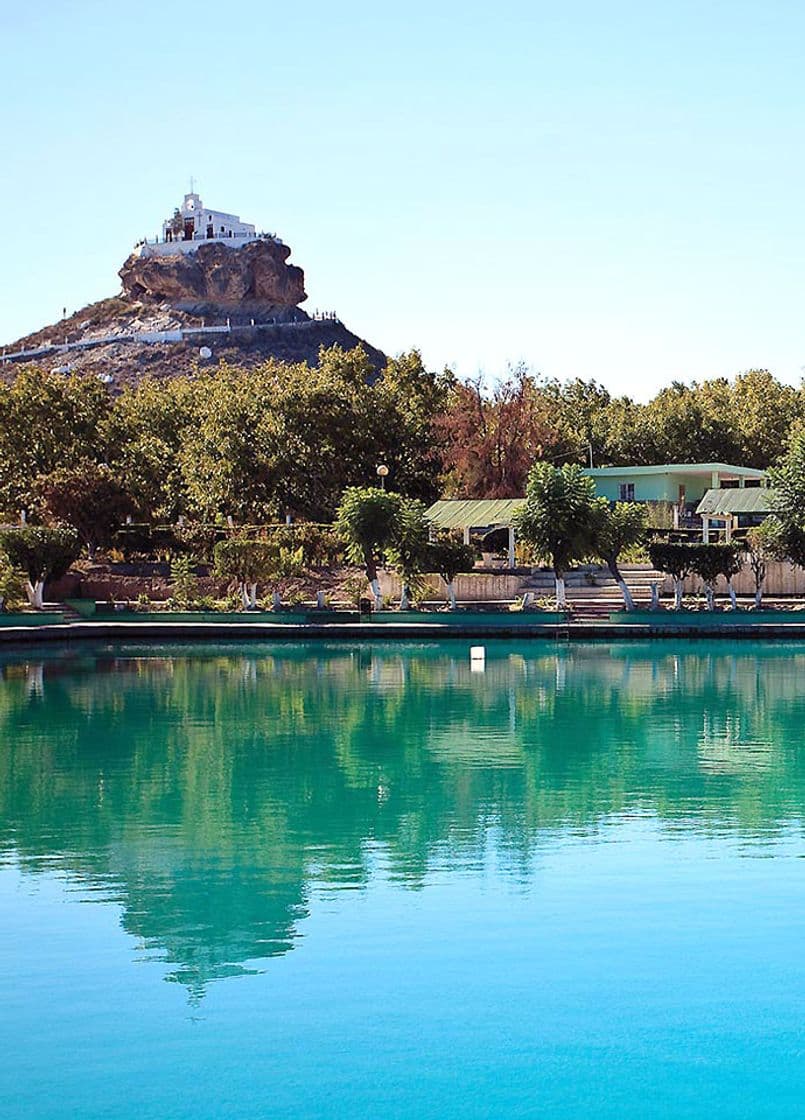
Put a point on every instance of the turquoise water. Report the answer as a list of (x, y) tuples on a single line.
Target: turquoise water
[(366, 881)]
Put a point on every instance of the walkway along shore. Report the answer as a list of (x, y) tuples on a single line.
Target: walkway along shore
[(389, 631)]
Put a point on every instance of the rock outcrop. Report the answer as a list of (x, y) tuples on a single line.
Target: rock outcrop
[(179, 311), (215, 273)]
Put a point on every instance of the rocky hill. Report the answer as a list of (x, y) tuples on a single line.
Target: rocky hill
[(177, 311)]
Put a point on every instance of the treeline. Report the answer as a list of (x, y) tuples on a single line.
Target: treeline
[(256, 445)]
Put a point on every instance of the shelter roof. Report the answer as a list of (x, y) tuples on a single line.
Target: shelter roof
[(476, 513), (748, 499)]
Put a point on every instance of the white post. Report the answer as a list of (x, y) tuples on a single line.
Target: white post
[(466, 534), (705, 529), (511, 546)]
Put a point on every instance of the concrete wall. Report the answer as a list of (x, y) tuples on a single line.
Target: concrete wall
[(483, 587), (782, 578)]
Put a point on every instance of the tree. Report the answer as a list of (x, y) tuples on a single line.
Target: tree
[(709, 561), (674, 558), (762, 545), (48, 421), (88, 497), (408, 547), (144, 434), (621, 526), (491, 439), (12, 585), (41, 553), (448, 557), (560, 517), (247, 563), (367, 520), (788, 480), (287, 563)]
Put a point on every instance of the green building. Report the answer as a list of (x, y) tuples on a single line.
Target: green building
[(680, 484)]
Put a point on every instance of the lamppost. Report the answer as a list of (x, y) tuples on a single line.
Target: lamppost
[(382, 472)]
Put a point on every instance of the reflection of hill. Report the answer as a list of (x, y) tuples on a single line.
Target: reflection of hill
[(209, 791)]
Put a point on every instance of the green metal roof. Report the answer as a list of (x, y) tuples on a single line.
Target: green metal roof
[(461, 513), (677, 468), (749, 499)]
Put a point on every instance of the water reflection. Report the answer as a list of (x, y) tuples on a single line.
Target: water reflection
[(211, 792)]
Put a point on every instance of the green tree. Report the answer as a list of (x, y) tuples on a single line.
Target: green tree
[(288, 563), (788, 480), (247, 563), (448, 558), (47, 422), (709, 561), (408, 548), (88, 497), (675, 559), (144, 433), (184, 582), (763, 544), (559, 518), (367, 521), (620, 527), (42, 554)]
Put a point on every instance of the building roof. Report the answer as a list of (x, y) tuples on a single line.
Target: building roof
[(677, 468), (751, 499), (464, 513)]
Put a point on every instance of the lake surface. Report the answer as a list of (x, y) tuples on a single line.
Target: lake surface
[(358, 881)]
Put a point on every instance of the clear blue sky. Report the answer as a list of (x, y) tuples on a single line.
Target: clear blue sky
[(603, 190)]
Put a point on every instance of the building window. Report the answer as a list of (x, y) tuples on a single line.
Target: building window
[(626, 492)]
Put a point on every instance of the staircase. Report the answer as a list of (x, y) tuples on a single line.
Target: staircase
[(593, 593), (70, 614)]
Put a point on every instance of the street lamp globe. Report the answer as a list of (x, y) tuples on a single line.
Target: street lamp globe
[(382, 472)]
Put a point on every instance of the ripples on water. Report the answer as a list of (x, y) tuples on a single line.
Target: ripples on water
[(211, 810)]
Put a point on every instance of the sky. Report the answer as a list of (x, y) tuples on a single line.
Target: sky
[(609, 191)]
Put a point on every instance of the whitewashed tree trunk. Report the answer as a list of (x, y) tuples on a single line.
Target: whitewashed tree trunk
[(561, 599), (731, 593), (321, 600), (678, 594), (35, 593), (378, 598), (655, 597), (404, 598), (628, 601), (248, 596), (451, 594), (709, 596), (276, 600), (758, 596)]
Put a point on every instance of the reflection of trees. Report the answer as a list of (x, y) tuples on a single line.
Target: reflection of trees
[(210, 791)]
